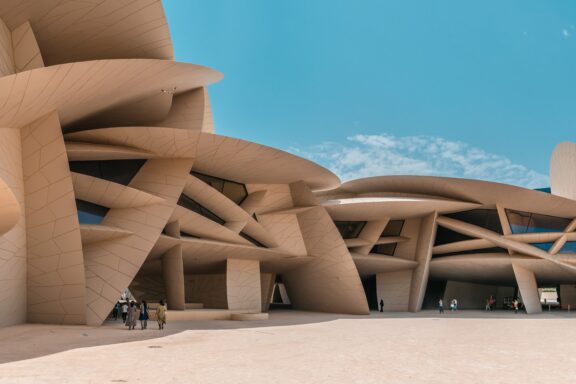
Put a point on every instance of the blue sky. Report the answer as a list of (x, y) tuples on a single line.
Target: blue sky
[(457, 88)]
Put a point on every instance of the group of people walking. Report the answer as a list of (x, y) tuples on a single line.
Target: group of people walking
[(453, 305), (133, 312)]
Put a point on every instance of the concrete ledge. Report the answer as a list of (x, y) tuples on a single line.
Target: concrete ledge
[(194, 306), (249, 316)]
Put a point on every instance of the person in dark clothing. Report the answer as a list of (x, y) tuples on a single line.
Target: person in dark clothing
[(441, 306), (381, 305)]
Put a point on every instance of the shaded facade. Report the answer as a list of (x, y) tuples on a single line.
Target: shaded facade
[(112, 177)]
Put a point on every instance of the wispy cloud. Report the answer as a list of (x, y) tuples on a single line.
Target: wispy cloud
[(376, 155), (566, 33)]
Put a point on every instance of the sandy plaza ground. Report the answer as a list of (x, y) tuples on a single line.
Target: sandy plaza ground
[(296, 347)]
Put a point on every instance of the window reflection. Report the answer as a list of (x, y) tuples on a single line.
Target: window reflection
[(350, 229), (234, 191), (526, 222)]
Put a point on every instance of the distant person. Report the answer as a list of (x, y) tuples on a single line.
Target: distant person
[(124, 312), (161, 314), (452, 305), (144, 315), (492, 302), (381, 305), (515, 306), (455, 304), (441, 306), (115, 311), (132, 316)]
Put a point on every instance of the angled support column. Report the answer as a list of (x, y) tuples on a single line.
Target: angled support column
[(173, 273), (243, 285), (423, 255), (528, 289)]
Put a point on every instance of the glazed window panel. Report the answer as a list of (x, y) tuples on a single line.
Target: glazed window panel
[(90, 213), (485, 218), (192, 205), (447, 236), (350, 229), (116, 171), (393, 228), (236, 192), (568, 247), (384, 249), (526, 222), (543, 246)]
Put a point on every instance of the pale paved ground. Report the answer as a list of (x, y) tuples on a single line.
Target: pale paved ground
[(296, 347)]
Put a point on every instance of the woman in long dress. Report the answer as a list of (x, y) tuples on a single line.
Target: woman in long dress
[(132, 316), (161, 314)]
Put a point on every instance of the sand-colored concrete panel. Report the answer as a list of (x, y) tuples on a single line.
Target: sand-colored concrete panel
[(562, 176), (371, 233), (13, 280), (173, 273), (330, 281), (190, 110), (394, 289), (209, 289), (243, 287), (83, 89), (423, 256), (25, 47), (10, 210), (54, 259), (6, 53), (267, 281), (112, 265), (528, 289), (70, 30)]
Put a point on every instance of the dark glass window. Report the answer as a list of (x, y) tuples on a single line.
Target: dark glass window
[(234, 191), (117, 171), (350, 229), (543, 246), (90, 213), (569, 247), (473, 251), (526, 222), (188, 203), (447, 236), (252, 240), (393, 228), (186, 234), (545, 190), (384, 249), (485, 218)]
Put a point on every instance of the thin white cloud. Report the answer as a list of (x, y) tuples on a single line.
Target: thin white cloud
[(566, 33), (379, 155)]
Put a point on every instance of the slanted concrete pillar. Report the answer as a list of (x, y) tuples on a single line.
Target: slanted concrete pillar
[(173, 272), (394, 289), (243, 285), (528, 289), (423, 255)]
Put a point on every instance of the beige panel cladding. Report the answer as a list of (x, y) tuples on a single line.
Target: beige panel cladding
[(568, 296), (209, 290), (10, 210), (173, 273), (6, 53), (423, 255), (112, 265), (243, 285), (394, 289), (13, 242), (56, 284), (562, 175), (411, 230), (267, 281), (528, 289), (471, 296), (190, 110), (330, 281), (26, 51)]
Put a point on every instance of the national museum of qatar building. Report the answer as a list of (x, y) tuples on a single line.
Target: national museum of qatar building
[(112, 179)]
